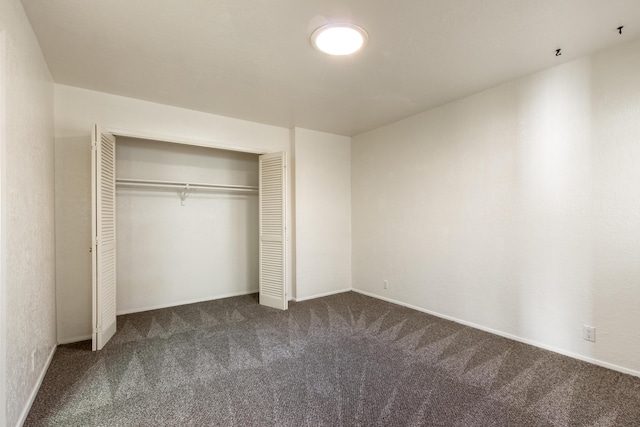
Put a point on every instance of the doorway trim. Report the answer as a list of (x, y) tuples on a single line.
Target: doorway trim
[(159, 137)]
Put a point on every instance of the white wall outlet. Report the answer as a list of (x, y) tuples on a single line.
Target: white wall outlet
[(385, 283), (589, 333), (33, 360)]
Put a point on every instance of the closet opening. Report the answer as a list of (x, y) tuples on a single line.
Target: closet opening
[(176, 224), (186, 224)]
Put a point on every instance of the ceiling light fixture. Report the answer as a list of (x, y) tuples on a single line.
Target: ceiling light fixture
[(339, 39)]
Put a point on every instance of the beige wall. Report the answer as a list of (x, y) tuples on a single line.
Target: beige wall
[(28, 211), (516, 210), (322, 213), (3, 243), (323, 171)]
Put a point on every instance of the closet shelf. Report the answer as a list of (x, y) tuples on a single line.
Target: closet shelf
[(184, 187)]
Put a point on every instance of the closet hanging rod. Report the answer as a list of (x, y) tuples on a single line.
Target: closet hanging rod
[(182, 185)]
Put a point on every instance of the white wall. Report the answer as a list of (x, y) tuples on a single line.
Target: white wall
[(3, 243), (517, 209), (322, 213), (27, 213), (75, 111), (170, 254)]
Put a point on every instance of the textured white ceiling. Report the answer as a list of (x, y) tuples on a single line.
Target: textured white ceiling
[(253, 60)]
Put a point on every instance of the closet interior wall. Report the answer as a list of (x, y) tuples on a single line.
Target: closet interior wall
[(171, 253)]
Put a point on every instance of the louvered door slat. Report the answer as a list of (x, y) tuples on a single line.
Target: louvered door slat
[(272, 231), (104, 232)]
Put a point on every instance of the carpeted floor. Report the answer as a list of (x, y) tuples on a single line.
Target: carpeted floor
[(343, 360)]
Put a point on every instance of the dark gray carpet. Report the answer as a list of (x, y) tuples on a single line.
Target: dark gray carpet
[(342, 360)]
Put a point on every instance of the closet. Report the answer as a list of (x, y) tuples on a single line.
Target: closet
[(176, 224)]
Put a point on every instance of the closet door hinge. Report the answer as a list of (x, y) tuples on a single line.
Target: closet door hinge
[(96, 329), (94, 146), (95, 241)]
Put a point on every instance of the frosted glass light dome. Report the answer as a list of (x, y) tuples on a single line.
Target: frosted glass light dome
[(339, 39)]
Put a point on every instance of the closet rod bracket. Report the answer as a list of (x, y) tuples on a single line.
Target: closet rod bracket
[(184, 194)]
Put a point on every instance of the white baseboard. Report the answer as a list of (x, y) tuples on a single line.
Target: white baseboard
[(509, 336), (193, 301), (325, 294), (36, 388), (74, 339)]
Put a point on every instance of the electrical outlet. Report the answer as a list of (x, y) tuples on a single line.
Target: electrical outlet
[(386, 284), (589, 333), (33, 360)]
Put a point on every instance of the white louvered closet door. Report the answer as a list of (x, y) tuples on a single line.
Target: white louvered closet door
[(273, 290), (103, 194)]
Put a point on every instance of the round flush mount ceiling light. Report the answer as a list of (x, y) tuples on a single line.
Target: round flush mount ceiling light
[(339, 39)]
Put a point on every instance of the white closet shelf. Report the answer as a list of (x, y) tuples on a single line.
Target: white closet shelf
[(182, 185)]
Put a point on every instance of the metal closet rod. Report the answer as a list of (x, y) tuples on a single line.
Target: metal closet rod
[(182, 185)]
